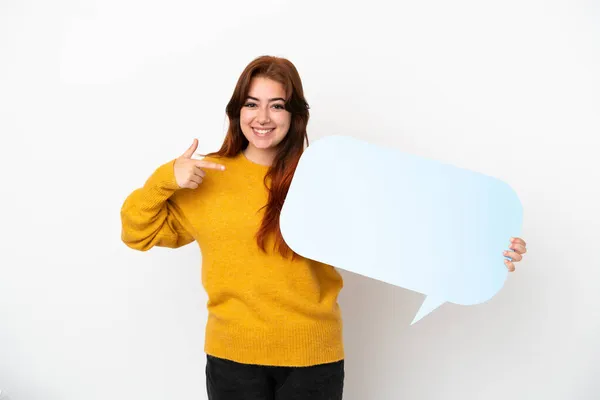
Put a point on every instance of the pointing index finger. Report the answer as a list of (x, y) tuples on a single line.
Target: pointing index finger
[(210, 165)]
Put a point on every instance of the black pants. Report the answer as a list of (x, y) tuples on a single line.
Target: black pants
[(229, 380)]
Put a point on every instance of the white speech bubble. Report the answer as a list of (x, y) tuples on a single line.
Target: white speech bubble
[(409, 221)]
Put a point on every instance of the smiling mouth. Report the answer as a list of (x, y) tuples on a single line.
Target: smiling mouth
[(262, 132)]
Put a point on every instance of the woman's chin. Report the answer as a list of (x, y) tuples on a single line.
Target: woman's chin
[(262, 144)]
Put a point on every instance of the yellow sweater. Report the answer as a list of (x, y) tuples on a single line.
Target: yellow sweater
[(262, 308)]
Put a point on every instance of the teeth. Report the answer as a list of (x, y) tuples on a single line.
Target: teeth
[(263, 131)]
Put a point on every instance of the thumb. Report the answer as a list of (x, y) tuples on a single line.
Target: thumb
[(190, 152)]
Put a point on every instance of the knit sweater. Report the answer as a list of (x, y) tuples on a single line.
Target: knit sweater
[(262, 308)]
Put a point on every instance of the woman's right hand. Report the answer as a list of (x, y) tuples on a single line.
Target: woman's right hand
[(188, 172)]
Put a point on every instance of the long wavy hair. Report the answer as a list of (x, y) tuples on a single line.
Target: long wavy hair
[(280, 173)]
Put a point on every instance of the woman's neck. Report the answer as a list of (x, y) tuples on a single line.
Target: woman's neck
[(260, 156)]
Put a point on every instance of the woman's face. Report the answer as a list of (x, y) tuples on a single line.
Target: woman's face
[(263, 118)]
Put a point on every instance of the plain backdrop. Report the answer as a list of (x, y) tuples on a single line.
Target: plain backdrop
[(94, 95)]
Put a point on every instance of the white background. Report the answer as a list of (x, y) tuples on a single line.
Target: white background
[(95, 95)]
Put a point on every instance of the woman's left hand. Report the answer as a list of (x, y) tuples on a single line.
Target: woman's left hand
[(518, 247)]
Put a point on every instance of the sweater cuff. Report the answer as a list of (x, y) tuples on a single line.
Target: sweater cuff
[(163, 178)]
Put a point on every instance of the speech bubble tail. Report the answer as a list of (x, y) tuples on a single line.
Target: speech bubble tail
[(430, 304)]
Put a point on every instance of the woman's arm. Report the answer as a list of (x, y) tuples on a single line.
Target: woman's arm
[(150, 218)]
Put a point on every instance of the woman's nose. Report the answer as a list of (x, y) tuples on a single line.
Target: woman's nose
[(263, 116)]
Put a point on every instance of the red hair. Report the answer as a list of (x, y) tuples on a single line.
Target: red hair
[(289, 150)]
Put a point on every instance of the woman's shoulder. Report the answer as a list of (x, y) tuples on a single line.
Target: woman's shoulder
[(214, 157)]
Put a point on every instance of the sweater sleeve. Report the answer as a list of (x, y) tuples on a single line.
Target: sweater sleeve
[(150, 218)]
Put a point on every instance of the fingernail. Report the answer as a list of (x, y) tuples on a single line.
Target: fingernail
[(512, 239)]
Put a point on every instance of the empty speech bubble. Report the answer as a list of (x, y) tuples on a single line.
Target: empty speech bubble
[(409, 221)]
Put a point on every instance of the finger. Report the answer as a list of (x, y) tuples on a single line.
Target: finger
[(509, 265), (519, 248), (198, 171), (514, 256), (196, 179), (190, 151), (518, 241), (210, 165)]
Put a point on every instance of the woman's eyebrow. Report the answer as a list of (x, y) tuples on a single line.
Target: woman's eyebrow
[(273, 99)]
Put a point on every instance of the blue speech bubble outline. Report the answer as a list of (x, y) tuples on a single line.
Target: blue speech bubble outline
[(331, 158)]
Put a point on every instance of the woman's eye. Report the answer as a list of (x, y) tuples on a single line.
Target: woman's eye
[(277, 106)]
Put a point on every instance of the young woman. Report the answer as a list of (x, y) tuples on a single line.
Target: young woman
[(274, 328)]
